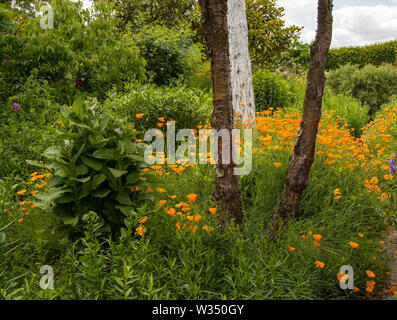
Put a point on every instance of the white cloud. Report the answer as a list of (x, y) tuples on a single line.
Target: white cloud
[(353, 24)]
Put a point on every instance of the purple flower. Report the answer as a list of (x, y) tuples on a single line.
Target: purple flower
[(5, 60), (393, 167), (16, 106)]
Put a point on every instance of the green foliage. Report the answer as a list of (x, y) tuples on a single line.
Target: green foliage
[(23, 133), (139, 13), (370, 85), (295, 59), (168, 53), (268, 36), (188, 107), (271, 91), (95, 164), (348, 110), (376, 54), (82, 46)]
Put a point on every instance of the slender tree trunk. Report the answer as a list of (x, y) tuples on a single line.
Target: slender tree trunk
[(221, 21), (304, 149), (241, 72)]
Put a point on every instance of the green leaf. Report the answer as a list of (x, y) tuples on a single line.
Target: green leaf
[(66, 198), (51, 195), (60, 169), (125, 209), (124, 198), (92, 185), (135, 157), (36, 163), (77, 155), (133, 178), (53, 152), (92, 163), (117, 173), (128, 146), (72, 221), (101, 193), (104, 123), (83, 180), (79, 108), (81, 170), (105, 154)]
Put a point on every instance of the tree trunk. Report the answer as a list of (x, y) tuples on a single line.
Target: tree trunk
[(221, 20), (241, 72), (304, 149)]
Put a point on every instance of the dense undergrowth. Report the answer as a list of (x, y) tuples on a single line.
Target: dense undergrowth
[(114, 227), (170, 247)]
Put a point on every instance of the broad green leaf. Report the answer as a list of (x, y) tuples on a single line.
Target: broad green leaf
[(92, 185), (117, 173), (61, 170), (66, 198), (77, 155), (81, 170), (104, 123), (83, 180), (51, 195), (134, 157), (105, 154), (125, 209), (129, 146), (101, 193), (133, 178), (124, 198), (53, 152), (72, 221), (36, 163), (79, 108), (92, 163)]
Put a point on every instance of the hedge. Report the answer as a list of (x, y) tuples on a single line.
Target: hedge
[(376, 55)]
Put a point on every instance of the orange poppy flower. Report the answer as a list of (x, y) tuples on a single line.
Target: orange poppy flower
[(191, 197), (212, 210), (353, 244)]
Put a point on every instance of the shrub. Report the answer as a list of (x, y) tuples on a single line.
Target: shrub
[(83, 51), (168, 53), (23, 132), (376, 55), (95, 165), (271, 90), (348, 110), (371, 85), (188, 107)]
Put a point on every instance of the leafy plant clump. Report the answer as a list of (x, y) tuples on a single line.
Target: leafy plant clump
[(96, 167), (271, 91), (371, 85)]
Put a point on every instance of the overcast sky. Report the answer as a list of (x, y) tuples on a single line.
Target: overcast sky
[(356, 22)]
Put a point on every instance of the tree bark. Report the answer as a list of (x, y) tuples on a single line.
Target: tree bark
[(217, 34), (304, 149), (241, 72)]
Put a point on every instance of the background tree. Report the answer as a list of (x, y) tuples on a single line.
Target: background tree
[(268, 35), (305, 145), (171, 13)]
